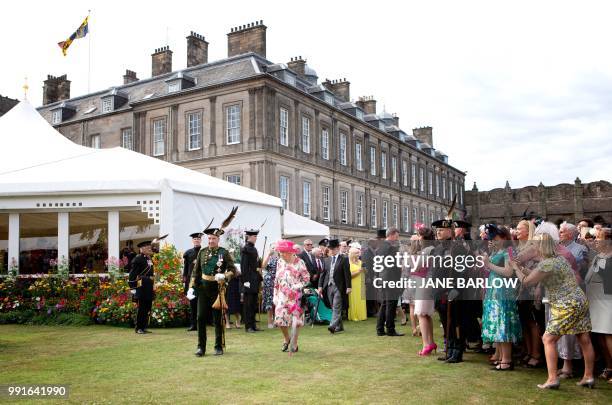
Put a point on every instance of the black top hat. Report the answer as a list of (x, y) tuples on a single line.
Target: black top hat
[(333, 243), (144, 244), (196, 235), (348, 242), (381, 233), (324, 242), (252, 232)]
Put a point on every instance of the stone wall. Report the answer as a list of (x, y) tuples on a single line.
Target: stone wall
[(569, 202)]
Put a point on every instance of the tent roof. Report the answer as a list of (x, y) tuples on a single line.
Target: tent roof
[(295, 226), (36, 159)]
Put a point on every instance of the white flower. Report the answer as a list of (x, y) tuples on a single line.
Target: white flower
[(37, 298)]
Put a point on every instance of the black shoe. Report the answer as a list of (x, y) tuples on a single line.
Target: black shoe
[(456, 356), (340, 329), (199, 352), (147, 331), (394, 333), (251, 330), (381, 333), (331, 330), (285, 347), (218, 352), (192, 329), (141, 332)]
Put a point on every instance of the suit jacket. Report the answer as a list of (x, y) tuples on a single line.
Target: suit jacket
[(249, 263), (392, 273), (342, 273), (188, 262), (309, 262)]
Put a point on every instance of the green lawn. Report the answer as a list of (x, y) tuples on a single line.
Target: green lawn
[(105, 364)]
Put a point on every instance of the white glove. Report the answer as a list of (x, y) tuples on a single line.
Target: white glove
[(190, 294), (247, 284), (133, 292), (219, 276)]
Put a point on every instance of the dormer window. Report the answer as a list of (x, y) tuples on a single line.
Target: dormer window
[(180, 82), (174, 87), (62, 113), (57, 117), (359, 114), (329, 98), (107, 104)]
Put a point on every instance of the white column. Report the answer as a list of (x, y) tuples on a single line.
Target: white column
[(13, 243), (63, 236), (113, 234)]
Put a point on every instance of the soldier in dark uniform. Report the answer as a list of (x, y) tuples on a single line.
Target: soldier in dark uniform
[(141, 279), (213, 266), (189, 258), (451, 303), (251, 279)]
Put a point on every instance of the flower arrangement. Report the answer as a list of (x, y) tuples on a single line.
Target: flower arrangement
[(234, 242), (115, 267), (100, 298)]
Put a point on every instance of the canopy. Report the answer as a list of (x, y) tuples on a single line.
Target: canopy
[(296, 226)]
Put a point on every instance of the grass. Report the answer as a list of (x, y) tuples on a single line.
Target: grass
[(104, 364)]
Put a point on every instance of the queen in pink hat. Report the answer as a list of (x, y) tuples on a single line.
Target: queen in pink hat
[(291, 278)]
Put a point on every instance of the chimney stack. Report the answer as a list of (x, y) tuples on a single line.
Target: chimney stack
[(161, 61), (424, 134), (341, 88), (56, 89), (367, 104), (396, 120), (298, 65), (247, 38), (129, 77), (197, 50)]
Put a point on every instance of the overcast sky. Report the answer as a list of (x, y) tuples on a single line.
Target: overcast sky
[(518, 91)]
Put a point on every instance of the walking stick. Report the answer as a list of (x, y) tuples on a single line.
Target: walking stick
[(314, 318)]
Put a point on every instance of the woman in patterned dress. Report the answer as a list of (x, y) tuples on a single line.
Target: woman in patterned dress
[(569, 310), (291, 278), (269, 264), (500, 320)]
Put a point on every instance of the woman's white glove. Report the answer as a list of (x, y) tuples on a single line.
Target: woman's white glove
[(219, 276), (190, 294)]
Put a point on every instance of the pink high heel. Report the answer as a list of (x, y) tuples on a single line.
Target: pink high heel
[(428, 349)]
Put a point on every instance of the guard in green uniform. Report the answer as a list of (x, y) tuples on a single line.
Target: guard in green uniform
[(213, 267)]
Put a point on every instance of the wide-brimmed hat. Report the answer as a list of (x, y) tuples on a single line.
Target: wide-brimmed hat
[(286, 246)]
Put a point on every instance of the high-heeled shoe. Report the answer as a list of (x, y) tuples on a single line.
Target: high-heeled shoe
[(590, 383), (428, 349), (553, 386), (285, 347)]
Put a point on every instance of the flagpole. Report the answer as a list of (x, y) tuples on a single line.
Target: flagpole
[(89, 56)]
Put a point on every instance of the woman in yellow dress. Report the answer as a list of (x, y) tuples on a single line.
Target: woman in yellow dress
[(357, 303)]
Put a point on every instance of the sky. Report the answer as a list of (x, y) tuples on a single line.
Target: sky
[(517, 91)]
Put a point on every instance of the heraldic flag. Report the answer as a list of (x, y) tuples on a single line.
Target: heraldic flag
[(79, 33)]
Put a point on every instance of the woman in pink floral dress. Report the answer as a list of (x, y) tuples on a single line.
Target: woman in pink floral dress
[(291, 278)]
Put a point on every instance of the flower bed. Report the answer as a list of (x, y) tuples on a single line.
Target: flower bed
[(98, 297)]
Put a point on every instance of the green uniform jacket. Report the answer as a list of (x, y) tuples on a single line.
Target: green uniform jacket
[(211, 261)]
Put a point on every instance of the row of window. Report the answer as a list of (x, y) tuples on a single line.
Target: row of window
[(386, 220)]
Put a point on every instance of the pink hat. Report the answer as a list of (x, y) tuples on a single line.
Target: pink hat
[(286, 246)]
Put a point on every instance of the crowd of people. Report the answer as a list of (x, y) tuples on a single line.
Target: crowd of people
[(557, 310)]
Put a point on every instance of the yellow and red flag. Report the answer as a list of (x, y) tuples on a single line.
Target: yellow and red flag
[(79, 33)]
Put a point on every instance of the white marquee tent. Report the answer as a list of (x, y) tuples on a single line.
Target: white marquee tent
[(42, 171)]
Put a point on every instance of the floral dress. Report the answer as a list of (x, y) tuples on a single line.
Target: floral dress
[(569, 307), (291, 278), (268, 283), (500, 318)]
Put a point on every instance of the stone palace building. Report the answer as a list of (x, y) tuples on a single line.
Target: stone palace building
[(273, 127)]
